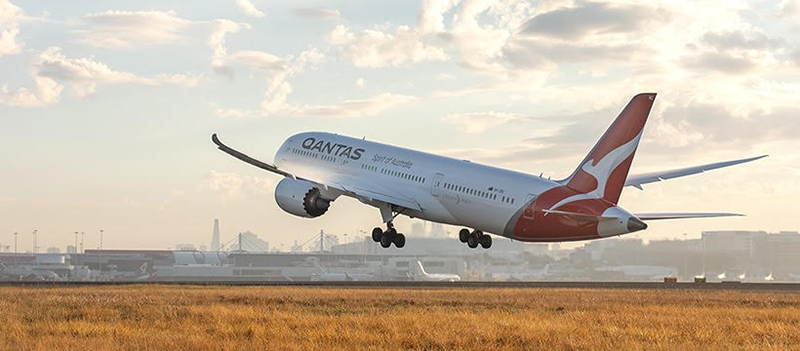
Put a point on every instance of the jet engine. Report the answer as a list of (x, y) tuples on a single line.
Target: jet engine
[(302, 198)]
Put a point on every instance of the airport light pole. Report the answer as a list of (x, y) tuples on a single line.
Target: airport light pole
[(34, 240), (101, 239), (76, 243), (81, 243)]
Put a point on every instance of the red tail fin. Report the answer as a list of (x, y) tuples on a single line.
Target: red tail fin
[(605, 168)]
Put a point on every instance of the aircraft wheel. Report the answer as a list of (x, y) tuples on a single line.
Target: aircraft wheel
[(386, 240), (472, 241), (486, 241), (463, 235), (400, 241), (377, 233)]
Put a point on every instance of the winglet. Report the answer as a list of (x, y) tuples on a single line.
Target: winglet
[(215, 139)]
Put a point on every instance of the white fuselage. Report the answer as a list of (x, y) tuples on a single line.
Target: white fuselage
[(447, 190)]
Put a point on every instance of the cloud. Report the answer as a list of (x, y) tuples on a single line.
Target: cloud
[(126, 29), (249, 9), (718, 126), (445, 76), (531, 54), (317, 13), (235, 113), (233, 185), (216, 41), (10, 16), (260, 60), (180, 79), (277, 86), (790, 8), (722, 62), (52, 63), (589, 18), (278, 70), (374, 48), (740, 39), (479, 122), (431, 17), (356, 107), (51, 69), (45, 92)]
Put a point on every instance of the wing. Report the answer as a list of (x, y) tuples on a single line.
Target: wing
[(637, 180), (679, 215), (359, 188), (367, 192), (230, 151)]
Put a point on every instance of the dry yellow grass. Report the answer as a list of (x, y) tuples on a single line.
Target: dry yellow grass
[(153, 317)]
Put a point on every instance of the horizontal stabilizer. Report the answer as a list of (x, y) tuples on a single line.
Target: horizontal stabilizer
[(583, 217), (637, 180), (683, 215)]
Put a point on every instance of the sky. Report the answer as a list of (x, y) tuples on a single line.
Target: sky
[(107, 107)]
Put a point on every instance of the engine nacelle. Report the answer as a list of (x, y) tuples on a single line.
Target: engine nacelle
[(302, 198)]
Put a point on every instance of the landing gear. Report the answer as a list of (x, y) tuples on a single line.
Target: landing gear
[(377, 233), (486, 241), (475, 238), (463, 235), (472, 241), (386, 238)]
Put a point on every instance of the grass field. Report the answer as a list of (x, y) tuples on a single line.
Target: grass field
[(153, 317)]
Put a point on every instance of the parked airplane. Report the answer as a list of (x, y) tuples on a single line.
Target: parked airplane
[(323, 275), (320, 167), (531, 276), (419, 274), (137, 275), (27, 273)]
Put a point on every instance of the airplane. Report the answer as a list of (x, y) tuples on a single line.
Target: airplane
[(137, 275), (27, 273), (421, 275), (320, 167), (531, 276), (323, 275)]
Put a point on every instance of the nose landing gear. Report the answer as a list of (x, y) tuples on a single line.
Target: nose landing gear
[(475, 238)]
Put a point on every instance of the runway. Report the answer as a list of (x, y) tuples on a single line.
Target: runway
[(738, 286)]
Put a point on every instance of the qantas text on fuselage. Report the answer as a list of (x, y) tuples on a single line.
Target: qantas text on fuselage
[(320, 167)]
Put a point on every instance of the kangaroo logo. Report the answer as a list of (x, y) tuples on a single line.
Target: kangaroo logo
[(602, 171)]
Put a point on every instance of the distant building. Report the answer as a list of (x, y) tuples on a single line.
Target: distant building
[(185, 247), (730, 241), (71, 249), (215, 236), (437, 231), (53, 250)]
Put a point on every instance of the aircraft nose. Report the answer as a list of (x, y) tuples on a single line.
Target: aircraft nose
[(635, 225)]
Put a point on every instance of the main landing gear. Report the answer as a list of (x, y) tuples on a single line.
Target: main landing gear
[(386, 238), (475, 238), (390, 235)]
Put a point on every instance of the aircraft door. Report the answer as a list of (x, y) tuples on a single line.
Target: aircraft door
[(436, 184)]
